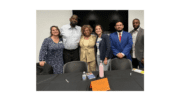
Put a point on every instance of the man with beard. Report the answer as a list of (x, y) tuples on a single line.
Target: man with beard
[(138, 45), (71, 34), (121, 42)]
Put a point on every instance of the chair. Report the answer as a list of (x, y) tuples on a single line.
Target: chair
[(75, 66), (46, 69), (120, 64)]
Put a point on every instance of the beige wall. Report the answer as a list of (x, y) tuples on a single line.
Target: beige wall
[(44, 20), (135, 14)]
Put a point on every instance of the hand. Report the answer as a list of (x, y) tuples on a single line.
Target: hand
[(105, 61), (42, 63), (120, 55), (142, 61)]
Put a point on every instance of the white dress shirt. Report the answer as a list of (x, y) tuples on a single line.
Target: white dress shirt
[(121, 38), (121, 34), (134, 35), (71, 36)]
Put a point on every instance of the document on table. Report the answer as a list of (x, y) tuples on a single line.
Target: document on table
[(138, 71)]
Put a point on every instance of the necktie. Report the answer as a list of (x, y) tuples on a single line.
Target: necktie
[(120, 37)]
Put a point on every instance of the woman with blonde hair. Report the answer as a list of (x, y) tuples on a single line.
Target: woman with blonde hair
[(87, 47)]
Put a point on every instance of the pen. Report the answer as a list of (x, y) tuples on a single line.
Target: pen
[(67, 81)]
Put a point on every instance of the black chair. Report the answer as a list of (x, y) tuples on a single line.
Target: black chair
[(44, 70), (120, 64), (75, 66)]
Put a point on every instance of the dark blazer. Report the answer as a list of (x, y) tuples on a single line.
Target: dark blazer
[(139, 44), (104, 47), (121, 47)]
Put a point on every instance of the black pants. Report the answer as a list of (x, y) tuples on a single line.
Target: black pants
[(71, 55), (135, 62), (117, 57)]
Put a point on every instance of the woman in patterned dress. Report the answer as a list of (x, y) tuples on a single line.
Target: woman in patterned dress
[(52, 51)]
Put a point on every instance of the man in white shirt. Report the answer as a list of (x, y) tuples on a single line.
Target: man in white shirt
[(71, 34), (137, 52)]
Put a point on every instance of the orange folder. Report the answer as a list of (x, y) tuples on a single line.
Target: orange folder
[(100, 85)]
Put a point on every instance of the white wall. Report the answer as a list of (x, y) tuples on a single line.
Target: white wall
[(44, 20), (135, 14)]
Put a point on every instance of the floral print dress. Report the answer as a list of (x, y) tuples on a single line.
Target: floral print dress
[(52, 53)]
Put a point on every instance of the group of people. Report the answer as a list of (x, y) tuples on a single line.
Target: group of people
[(75, 43)]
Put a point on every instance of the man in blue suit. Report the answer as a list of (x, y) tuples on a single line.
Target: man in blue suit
[(121, 42)]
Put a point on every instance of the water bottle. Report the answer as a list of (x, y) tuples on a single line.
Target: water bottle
[(84, 76), (101, 70)]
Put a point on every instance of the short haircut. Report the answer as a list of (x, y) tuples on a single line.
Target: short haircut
[(137, 19), (86, 26), (74, 15), (117, 22)]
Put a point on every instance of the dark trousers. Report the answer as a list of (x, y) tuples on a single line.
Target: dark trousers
[(71, 55), (141, 65), (113, 57), (135, 62)]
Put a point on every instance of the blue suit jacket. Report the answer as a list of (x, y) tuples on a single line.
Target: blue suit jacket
[(104, 47), (121, 47)]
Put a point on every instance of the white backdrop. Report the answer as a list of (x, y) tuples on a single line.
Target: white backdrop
[(135, 14), (44, 20)]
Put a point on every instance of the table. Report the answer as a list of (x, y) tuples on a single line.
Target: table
[(119, 80)]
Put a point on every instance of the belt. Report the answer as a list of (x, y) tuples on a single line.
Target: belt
[(71, 49)]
